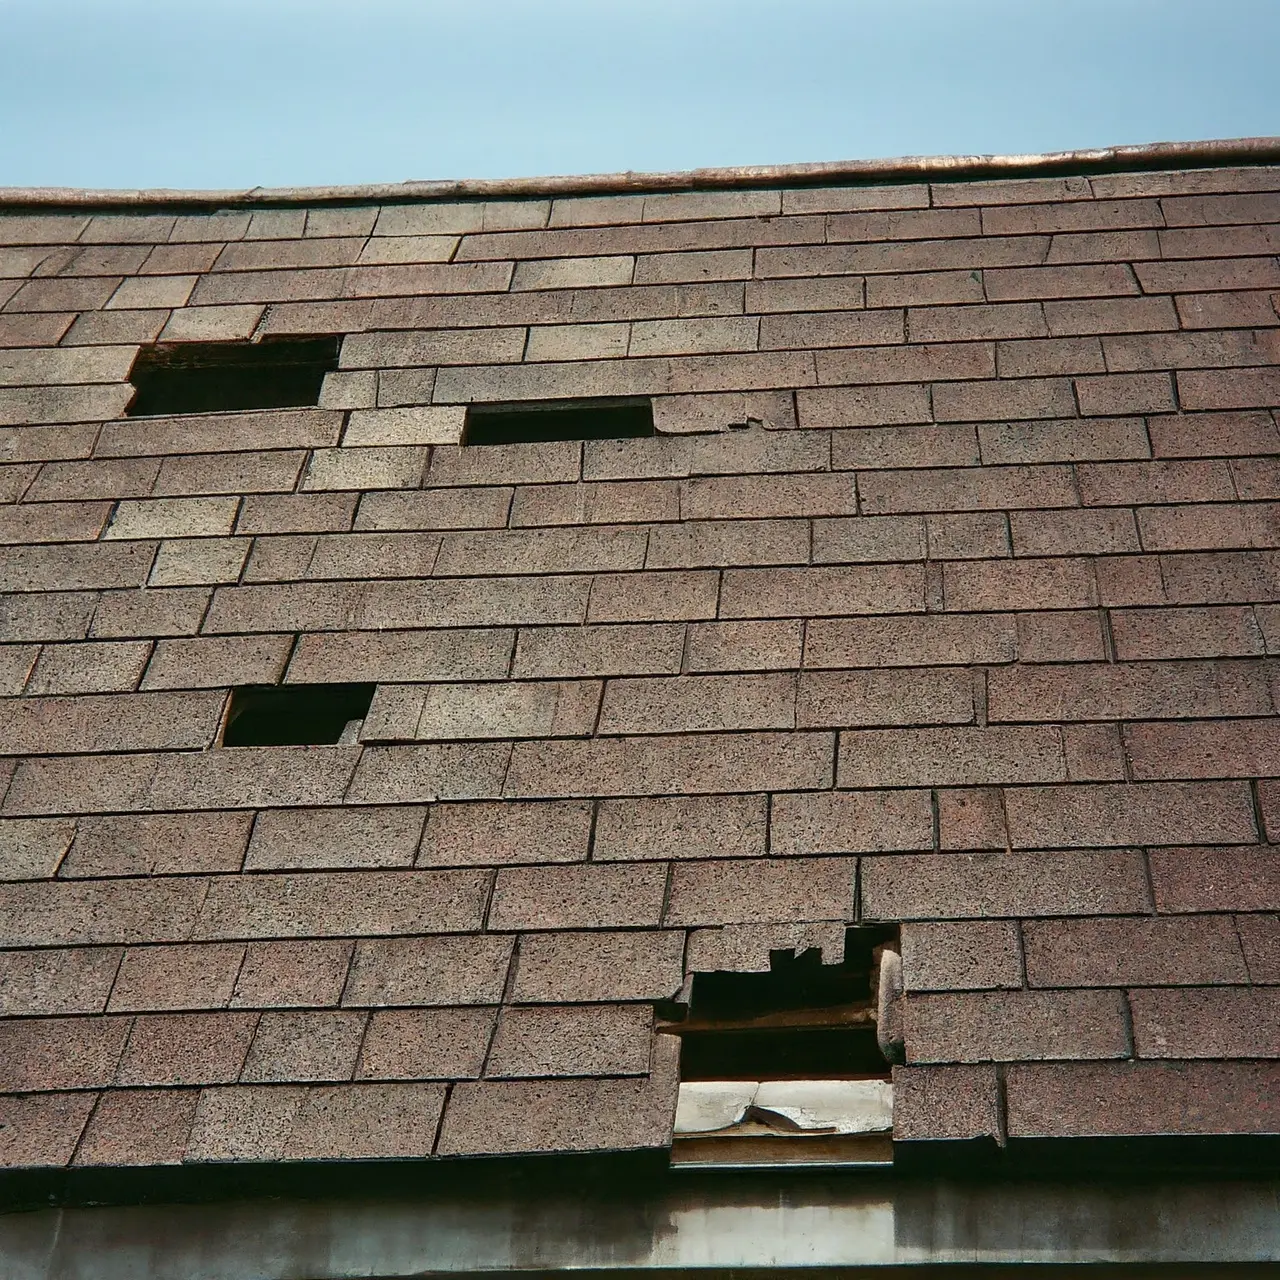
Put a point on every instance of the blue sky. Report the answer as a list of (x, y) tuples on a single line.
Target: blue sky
[(214, 93)]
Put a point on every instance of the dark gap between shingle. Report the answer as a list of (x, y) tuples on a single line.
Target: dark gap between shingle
[(540, 421), (294, 714), (211, 377)]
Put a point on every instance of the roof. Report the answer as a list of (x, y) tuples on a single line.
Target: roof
[(946, 595)]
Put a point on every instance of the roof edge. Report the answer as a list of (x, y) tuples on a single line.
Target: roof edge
[(1153, 155)]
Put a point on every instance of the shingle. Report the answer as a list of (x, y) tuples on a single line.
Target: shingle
[(940, 1102), (217, 661), (60, 913), (1113, 1099), (747, 948), (698, 703), (664, 765), (850, 822), (292, 1047), (761, 891), (969, 956), (195, 562), (599, 650), (284, 974), (1180, 950), (577, 897), (401, 655), (33, 848), (438, 771), (42, 1130), (512, 1117), (110, 722), (366, 1121), (428, 971), (56, 980), (302, 839), (177, 977), (443, 712), (138, 1127), (341, 903), (160, 844), (571, 1040), (63, 615), (52, 522), (569, 967), (98, 667), (186, 1049), (152, 611), (993, 885), (425, 1044), (1015, 1025), (44, 1054), (680, 827), (506, 832)]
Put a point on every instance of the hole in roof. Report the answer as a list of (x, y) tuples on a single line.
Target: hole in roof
[(801, 1020), (290, 715), (535, 422), (208, 377), (785, 1067)]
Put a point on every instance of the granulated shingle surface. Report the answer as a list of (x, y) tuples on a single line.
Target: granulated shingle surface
[(947, 593)]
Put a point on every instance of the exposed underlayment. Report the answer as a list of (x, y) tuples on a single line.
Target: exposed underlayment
[(945, 593)]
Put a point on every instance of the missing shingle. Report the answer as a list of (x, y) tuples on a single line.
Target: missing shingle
[(211, 377), (801, 1020), (296, 714), (787, 1066), (539, 421)]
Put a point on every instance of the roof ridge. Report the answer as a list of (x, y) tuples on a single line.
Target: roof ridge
[(1204, 154)]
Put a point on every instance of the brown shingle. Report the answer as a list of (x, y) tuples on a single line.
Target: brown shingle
[(679, 827), (290, 1047), (139, 1127), (503, 833), (159, 844), (425, 1044), (1048, 1100), (977, 885), (177, 977), (42, 1130), (731, 892), (1181, 951), (598, 966), (299, 839), (571, 1040), (509, 1117), (578, 897), (57, 980), (186, 1049), (40, 1054), (940, 1102), (428, 971)]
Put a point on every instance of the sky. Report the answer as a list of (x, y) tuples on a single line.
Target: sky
[(239, 93)]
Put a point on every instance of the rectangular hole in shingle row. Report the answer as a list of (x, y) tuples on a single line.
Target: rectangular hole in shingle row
[(530, 423), (208, 377), (265, 715), (800, 1020)]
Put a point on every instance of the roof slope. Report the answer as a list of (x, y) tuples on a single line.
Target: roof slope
[(969, 629)]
